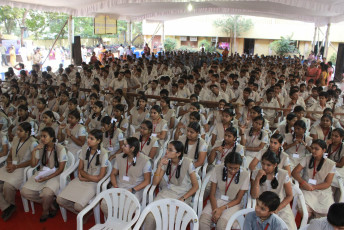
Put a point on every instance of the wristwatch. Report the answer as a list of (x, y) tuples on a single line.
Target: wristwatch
[(133, 191)]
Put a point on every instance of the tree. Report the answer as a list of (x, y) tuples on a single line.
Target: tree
[(234, 26), (11, 17), (284, 46), (170, 44), (36, 23), (207, 46)]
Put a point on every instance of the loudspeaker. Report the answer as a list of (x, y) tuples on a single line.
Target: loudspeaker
[(77, 51), (339, 64)]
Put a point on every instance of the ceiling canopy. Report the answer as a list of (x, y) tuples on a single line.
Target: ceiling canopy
[(320, 12)]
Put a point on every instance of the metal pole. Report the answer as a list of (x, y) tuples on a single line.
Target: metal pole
[(327, 40), (314, 37), (70, 37), (129, 32), (163, 35)]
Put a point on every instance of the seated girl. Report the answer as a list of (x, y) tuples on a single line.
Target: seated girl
[(43, 189), (139, 113), (228, 185), (92, 168), (121, 122), (220, 127), (297, 145), (62, 103), (49, 120), (323, 130), (272, 178), (23, 116), (315, 173), (180, 130), (167, 112), (176, 178), (276, 141), (131, 170), (160, 127), (94, 119), (149, 145), (113, 138), (286, 126)]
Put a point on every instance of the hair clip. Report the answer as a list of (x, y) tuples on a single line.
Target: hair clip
[(134, 160), (32, 132), (98, 152), (113, 120), (325, 155)]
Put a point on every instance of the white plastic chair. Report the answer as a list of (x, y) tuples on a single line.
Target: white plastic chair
[(205, 181), (123, 209), (4, 158), (167, 216), (96, 209), (239, 217), (341, 186), (31, 172), (298, 195), (304, 227)]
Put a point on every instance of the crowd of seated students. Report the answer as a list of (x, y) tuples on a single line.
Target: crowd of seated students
[(275, 125)]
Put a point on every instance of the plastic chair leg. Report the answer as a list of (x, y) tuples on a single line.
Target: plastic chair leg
[(96, 212), (25, 204), (32, 207), (63, 213)]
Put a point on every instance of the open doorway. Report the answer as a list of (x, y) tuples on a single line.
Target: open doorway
[(248, 46)]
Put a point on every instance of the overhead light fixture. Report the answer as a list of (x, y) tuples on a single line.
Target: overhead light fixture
[(190, 7)]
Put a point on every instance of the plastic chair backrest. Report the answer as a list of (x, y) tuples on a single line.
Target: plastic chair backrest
[(205, 181), (167, 216), (107, 175), (298, 195)]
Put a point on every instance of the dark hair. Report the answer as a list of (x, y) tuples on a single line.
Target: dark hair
[(75, 113), (149, 125), (232, 158), (270, 199), (50, 131), (158, 109), (178, 145), (195, 126), (50, 114), (248, 101), (120, 108), (337, 155), (98, 134), (290, 117), (335, 214), (229, 111), (322, 145), (108, 120), (260, 117), (23, 107), (196, 115), (279, 138), (133, 142), (26, 126), (100, 105), (272, 158), (331, 119), (234, 132), (167, 100)]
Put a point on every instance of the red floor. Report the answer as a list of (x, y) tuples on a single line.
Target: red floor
[(28, 221)]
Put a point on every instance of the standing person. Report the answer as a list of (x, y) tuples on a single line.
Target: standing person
[(23, 54), (3, 55), (84, 53), (12, 56), (146, 50), (37, 57), (120, 51)]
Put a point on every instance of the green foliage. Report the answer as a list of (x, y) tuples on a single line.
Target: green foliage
[(333, 59), (207, 45), (231, 24), (10, 18), (170, 44), (284, 46)]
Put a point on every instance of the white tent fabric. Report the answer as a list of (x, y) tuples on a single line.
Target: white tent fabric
[(320, 12)]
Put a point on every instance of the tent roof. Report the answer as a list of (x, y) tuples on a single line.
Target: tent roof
[(320, 12)]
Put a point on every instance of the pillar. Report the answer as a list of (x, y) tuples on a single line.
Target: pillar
[(163, 35), (71, 36), (327, 40), (314, 38), (129, 30)]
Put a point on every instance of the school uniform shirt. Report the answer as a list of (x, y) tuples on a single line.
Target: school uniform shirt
[(311, 101), (131, 82), (283, 178), (299, 102), (4, 121), (253, 222), (116, 84), (55, 126), (270, 114), (17, 122), (112, 144), (32, 102), (21, 152), (317, 130), (174, 188), (220, 157), (39, 115), (129, 176), (219, 130), (147, 145), (318, 200), (79, 96), (51, 103), (320, 224), (95, 123), (253, 141), (186, 119), (202, 147), (53, 183), (3, 140), (170, 114), (77, 131), (137, 118), (124, 124), (223, 194), (183, 93), (80, 191), (160, 126), (318, 108)]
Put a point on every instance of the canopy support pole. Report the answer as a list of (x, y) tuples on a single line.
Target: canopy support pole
[(314, 37), (129, 29), (163, 35), (327, 40), (70, 37)]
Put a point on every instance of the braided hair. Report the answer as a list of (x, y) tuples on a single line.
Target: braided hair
[(197, 128), (178, 145), (322, 144), (290, 117), (234, 132), (25, 108), (272, 158), (50, 131), (100, 105), (279, 138), (98, 134), (232, 158), (258, 118), (149, 125), (108, 121), (331, 119), (133, 142), (120, 108), (336, 157)]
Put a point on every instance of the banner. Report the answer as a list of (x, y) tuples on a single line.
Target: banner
[(105, 24)]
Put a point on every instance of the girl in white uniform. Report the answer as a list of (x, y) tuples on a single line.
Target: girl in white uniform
[(149, 145), (315, 179), (220, 127), (43, 189), (160, 127), (167, 112), (139, 114), (113, 138), (228, 185), (323, 130), (49, 120), (94, 119), (121, 122)]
